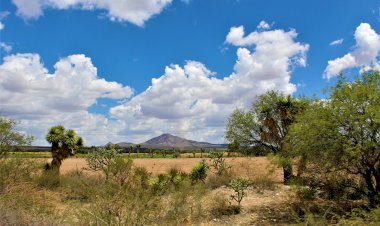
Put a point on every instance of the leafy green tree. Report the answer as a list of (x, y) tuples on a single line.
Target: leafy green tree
[(64, 143), (9, 137), (341, 135), (265, 125)]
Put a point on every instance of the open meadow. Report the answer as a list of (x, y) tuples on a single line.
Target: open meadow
[(158, 191), (250, 167)]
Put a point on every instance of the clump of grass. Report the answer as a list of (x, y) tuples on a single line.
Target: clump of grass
[(221, 206), (263, 182), (49, 179)]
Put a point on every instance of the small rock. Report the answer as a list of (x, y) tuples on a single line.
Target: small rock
[(215, 219)]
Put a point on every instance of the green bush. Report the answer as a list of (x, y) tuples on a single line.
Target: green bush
[(306, 193), (121, 169), (199, 172)]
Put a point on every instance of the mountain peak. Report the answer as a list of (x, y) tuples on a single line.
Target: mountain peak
[(167, 140)]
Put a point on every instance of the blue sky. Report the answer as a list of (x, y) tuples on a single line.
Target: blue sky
[(89, 64)]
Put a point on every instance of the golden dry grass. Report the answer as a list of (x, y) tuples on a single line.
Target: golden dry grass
[(250, 167)]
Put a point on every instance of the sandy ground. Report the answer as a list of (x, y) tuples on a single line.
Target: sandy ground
[(251, 167)]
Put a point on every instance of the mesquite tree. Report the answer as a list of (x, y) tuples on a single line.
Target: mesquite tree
[(341, 135), (10, 138)]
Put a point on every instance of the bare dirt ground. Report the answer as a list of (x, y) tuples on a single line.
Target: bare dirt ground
[(250, 167), (259, 207)]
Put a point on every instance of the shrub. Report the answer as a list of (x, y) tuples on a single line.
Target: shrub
[(13, 171), (101, 159), (176, 155), (199, 172), (239, 185), (121, 169), (140, 179), (215, 181), (221, 206), (218, 163), (263, 182), (49, 179)]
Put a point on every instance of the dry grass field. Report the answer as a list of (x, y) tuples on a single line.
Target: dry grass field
[(249, 167), (30, 196)]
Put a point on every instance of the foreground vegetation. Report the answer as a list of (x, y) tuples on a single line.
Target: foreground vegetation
[(132, 196), (328, 151)]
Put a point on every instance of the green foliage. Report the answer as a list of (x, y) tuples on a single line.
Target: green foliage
[(10, 138), (218, 163), (199, 172), (265, 125), (111, 163), (172, 180), (64, 143), (239, 185), (101, 159), (16, 171), (340, 136)]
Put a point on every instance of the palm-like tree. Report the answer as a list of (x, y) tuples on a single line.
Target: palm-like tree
[(64, 143)]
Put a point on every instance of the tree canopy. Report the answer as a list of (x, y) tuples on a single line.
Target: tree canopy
[(9, 137), (64, 144), (342, 134), (266, 124)]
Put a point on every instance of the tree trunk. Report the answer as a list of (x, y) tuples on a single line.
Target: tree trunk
[(57, 159), (373, 196), (288, 172)]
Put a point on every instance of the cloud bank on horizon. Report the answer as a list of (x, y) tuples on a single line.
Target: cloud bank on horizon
[(187, 100)]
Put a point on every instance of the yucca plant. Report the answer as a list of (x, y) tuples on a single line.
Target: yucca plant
[(64, 143)]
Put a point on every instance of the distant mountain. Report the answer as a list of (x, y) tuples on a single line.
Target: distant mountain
[(125, 144), (170, 141)]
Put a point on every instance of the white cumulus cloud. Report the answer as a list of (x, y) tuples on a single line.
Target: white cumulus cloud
[(336, 42), (29, 92), (190, 101), (187, 100), (135, 12), (263, 25), (364, 53)]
